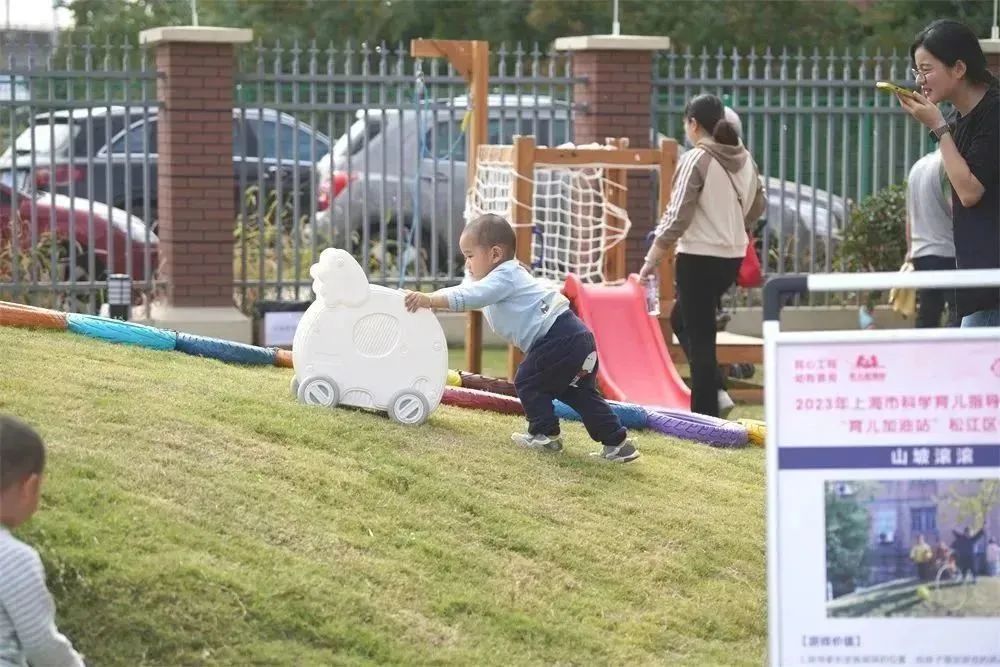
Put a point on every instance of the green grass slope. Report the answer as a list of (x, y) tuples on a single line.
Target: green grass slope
[(195, 514)]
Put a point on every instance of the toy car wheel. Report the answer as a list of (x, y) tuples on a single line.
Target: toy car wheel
[(319, 390), (409, 407), (295, 386)]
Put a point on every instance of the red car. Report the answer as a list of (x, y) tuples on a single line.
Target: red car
[(113, 234)]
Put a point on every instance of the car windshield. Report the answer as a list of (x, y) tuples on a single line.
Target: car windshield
[(49, 137), (352, 141)]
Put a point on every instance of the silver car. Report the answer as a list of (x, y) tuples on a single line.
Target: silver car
[(398, 166), (401, 175)]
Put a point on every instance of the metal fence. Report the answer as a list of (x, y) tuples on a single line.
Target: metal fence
[(74, 194), (820, 132), (363, 147), (374, 148)]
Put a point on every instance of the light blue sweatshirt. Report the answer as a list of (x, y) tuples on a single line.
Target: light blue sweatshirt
[(515, 305)]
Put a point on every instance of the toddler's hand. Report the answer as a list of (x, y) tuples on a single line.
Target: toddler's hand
[(415, 301)]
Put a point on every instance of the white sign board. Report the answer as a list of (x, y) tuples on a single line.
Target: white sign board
[(279, 327), (883, 494)]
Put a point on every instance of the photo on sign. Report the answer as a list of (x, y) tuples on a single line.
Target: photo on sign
[(912, 548)]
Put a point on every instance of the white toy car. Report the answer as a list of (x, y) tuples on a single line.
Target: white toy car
[(357, 345)]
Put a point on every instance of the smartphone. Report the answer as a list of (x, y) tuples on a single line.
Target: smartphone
[(893, 88)]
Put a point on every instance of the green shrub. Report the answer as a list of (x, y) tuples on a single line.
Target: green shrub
[(875, 238)]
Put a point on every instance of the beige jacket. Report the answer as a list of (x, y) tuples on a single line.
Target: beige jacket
[(705, 216)]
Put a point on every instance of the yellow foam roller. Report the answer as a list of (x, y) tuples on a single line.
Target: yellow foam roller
[(454, 379), (756, 430)]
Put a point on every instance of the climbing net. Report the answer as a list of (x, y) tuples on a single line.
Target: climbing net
[(577, 212)]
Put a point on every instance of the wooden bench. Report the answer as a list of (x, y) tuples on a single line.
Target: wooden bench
[(732, 349)]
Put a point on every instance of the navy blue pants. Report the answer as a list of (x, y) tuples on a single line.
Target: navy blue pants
[(549, 370)]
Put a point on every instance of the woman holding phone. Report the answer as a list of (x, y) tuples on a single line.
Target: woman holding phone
[(949, 66)]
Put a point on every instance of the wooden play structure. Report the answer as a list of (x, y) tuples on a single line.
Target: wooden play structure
[(471, 60)]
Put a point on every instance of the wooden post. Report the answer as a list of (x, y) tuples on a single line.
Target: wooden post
[(615, 193), (471, 58), (522, 217), (668, 164)]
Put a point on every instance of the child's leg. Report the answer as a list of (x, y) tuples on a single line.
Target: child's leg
[(531, 383), (601, 422)]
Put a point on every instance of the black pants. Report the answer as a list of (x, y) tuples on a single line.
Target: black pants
[(701, 282), (683, 337), (549, 370), (930, 302), (966, 566)]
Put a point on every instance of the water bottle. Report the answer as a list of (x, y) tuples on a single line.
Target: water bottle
[(653, 295)]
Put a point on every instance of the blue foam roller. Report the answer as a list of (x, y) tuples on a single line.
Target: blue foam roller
[(225, 350), (631, 415), (118, 331)]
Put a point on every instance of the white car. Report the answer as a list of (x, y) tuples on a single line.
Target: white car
[(357, 345)]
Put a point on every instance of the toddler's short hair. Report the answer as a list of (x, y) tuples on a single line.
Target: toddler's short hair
[(22, 452), (490, 230)]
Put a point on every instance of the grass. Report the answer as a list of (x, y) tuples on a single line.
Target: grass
[(494, 360), (194, 514), (981, 599)]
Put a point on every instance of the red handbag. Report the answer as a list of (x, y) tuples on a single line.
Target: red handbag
[(750, 274)]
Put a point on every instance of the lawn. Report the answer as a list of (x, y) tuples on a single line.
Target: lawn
[(903, 599), (195, 514)]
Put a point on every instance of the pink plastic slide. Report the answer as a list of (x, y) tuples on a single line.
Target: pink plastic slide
[(634, 365)]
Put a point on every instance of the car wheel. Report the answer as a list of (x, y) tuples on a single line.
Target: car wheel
[(79, 299)]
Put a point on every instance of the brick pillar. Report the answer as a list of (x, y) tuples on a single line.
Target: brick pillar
[(617, 94), (195, 66), (991, 47)]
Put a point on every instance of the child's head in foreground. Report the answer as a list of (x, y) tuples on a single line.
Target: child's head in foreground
[(487, 241), (22, 461)]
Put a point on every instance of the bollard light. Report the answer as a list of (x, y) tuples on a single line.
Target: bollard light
[(120, 295)]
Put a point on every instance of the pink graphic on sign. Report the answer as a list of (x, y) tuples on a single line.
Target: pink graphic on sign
[(835, 394)]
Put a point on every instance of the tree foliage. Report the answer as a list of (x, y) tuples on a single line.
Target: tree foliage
[(846, 540), (710, 24), (975, 507)]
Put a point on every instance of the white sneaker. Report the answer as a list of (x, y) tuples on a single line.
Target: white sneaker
[(726, 403), (540, 442), (623, 453)]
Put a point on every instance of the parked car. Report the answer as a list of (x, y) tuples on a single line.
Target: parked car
[(111, 232), (103, 154), (394, 167), (791, 205), (373, 180)]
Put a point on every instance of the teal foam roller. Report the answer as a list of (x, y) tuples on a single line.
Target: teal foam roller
[(225, 350), (118, 331)]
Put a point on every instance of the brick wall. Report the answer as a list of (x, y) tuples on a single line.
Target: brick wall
[(195, 179), (617, 94)]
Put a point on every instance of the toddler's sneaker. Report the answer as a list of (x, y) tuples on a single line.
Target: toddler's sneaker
[(726, 403), (623, 453), (541, 442)]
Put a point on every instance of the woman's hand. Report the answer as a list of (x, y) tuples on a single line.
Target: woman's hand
[(922, 109), (646, 271)]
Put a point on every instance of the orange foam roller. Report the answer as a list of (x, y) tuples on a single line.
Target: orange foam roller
[(481, 400), (20, 315)]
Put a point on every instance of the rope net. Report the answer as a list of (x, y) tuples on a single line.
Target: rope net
[(573, 218)]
